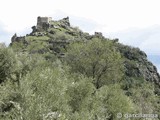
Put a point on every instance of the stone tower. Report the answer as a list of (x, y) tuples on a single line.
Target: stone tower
[(43, 23)]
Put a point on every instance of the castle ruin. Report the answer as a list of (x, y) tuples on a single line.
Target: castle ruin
[(43, 22), (98, 34)]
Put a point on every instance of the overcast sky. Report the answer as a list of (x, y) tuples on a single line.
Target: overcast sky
[(134, 22)]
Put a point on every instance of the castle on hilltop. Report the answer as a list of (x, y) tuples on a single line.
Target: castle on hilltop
[(43, 23), (45, 26)]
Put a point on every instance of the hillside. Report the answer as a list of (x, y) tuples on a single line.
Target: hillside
[(59, 72)]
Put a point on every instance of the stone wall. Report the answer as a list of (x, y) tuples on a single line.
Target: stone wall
[(42, 22)]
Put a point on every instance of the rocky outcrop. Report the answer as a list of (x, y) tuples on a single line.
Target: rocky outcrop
[(21, 39), (137, 64), (65, 21), (14, 37)]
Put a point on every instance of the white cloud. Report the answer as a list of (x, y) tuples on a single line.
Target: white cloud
[(4, 35), (151, 45), (147, 39), (158, 67), (85, 24), (155, 60), (114, 14)]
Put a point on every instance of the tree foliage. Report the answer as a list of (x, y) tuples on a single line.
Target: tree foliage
[(97, 59), (7, 64)]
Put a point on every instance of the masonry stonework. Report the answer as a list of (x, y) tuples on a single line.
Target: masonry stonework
[(43, 22)]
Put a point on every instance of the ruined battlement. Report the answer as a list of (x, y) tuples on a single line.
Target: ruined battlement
[(44, 19), (42, 22), (98, 34)]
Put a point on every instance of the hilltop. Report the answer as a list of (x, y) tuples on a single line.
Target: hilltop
[(60, 72), (52, 33), (54, 36)]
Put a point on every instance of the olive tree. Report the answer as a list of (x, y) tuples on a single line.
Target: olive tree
[(98, 59)]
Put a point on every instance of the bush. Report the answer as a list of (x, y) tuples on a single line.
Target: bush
[(111, 100), (44, 93), (8, 64)]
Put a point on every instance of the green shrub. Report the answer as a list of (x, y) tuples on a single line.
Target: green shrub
[(8, 64), (44, 92)]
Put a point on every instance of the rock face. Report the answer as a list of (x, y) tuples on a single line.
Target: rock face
[(17, 39), (65, 21), (138, 66), (14, 37)]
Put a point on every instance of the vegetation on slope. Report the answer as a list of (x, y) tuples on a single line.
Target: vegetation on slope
[(65, 74)]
